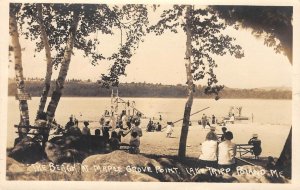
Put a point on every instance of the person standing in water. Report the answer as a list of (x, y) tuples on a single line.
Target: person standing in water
[(204, 121)]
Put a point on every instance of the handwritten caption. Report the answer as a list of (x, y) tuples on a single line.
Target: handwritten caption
[(80, 168)]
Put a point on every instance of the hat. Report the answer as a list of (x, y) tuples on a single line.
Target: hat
[(212, 128), (255, 135)]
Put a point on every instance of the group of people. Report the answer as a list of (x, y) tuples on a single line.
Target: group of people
[(152, 126), (218, 154), (111, 135), (205, 121)]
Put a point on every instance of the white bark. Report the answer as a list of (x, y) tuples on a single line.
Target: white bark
[(23, 106), (44, 38)]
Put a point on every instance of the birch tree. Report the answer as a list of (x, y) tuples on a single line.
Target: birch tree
[(70, 26), (203, 30), (17, 53)]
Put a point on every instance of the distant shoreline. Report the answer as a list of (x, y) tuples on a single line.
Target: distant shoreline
[(147, 90)]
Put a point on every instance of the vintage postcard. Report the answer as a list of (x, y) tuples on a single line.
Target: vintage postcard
[(193, 93)]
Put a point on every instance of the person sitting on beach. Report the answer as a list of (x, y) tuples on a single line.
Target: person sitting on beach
[(74, 130), (114, 142), (256, 149), (224, 129), (226, 153), (150, 126), (69, 124), (86, 130), (134, 143), (271, 164), (213, 129), (105, 130), (169, 129), (97, 132), (209, 150)]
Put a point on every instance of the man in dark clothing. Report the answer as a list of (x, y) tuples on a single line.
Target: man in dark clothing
[(256, 145), (69, 124)]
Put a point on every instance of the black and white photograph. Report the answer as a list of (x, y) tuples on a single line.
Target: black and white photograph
[(148, 92)]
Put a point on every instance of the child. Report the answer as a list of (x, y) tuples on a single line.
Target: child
[(134, 143), (169, 129)]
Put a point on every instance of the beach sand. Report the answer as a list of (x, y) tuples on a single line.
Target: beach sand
[(273, 138)]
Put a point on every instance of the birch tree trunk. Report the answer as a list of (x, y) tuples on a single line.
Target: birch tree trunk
[(47, 81), (189, 103), (63, 69), (23, 106)]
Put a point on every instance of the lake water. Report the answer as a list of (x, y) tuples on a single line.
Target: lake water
[(275, 112)]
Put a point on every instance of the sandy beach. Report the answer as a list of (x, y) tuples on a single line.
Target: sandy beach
[(272, 136)]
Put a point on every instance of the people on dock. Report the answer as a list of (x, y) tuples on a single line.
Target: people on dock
[(209, 150), (86, 130), (230, 120), (169, 130), (124, 119), (256, 149), (226, 153)]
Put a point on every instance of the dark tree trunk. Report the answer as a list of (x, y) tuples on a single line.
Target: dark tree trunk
[(189, 103), (284, 162)]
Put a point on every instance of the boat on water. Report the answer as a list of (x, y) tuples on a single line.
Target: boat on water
[(239, 118), (235, 113)]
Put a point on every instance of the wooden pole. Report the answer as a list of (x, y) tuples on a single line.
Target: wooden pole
[(190, 115)]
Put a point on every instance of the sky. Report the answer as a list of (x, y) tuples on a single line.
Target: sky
[(160, 59)]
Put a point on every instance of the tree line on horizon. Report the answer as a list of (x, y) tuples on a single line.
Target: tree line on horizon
[(77, 87)]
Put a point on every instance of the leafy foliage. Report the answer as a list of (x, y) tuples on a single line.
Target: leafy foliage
[(94, 18), (272, 23), (58, 20), (134, 30), (207, 40)]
